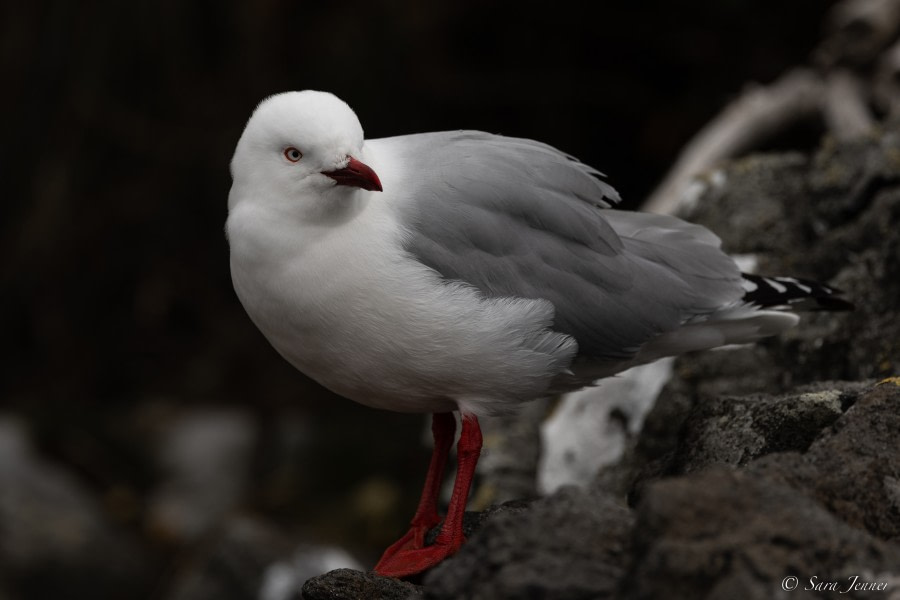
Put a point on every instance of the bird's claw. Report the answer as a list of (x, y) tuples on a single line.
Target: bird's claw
[(414, 539), (405, 562)]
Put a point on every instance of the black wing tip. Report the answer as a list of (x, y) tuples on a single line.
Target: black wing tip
[(797, 293)]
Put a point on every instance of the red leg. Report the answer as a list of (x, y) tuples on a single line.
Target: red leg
[(409, 561), (443, 428)]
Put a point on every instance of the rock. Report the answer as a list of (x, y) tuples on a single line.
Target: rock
[(56, 539), (737, 430), (729, 534), (817, 495), (809, 489), (746, 205), (347, 584), (569, 545), (853, 467)]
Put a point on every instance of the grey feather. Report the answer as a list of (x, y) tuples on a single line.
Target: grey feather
[(514, 217)]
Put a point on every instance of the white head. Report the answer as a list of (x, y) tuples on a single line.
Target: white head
[(300, 145)]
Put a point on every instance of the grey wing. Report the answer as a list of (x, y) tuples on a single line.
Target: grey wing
[(514, 217)]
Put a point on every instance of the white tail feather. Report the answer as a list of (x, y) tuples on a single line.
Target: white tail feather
[(738, 326)]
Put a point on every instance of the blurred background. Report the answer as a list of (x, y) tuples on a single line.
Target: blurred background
[(140, 409)]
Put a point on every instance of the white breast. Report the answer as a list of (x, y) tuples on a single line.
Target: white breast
[(348, 307)]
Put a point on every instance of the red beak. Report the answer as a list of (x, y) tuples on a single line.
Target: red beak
[(356, 174)]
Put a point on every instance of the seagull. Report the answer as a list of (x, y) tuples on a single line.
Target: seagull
[(467, 272)]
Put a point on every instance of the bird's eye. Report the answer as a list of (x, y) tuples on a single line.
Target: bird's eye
[(292, 154)]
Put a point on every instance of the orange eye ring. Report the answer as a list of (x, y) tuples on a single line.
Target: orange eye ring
[(292, 154)]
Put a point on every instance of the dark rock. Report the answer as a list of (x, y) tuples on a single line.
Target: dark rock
[(347, 584), (747, 207), (661, 449), (817, 496), (728, 534), (853, 468), (737, 430), (569, 545)]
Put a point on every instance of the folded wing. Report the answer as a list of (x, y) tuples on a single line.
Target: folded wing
[(513, 217)]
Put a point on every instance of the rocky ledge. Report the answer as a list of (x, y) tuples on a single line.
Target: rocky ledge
[(748, 502)]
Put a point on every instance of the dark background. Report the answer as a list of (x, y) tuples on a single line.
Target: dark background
[(119, 122)]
